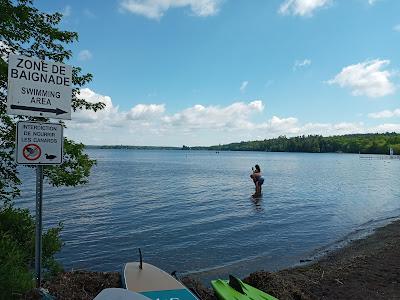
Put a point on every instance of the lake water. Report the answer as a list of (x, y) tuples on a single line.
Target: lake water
[(192, 211)]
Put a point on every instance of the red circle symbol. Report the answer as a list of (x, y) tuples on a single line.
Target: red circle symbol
[(31, 152)]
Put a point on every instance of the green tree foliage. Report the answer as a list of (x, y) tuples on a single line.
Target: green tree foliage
[(15, 278), (27, 31), (352, 143), (17, 251)]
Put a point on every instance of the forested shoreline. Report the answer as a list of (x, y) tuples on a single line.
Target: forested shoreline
[(352, 143), (132, 147), (372, 143)]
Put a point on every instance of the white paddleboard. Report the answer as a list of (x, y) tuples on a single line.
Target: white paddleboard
[(154, 283), (119, 294)]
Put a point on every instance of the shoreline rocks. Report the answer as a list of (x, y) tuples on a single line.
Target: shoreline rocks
[(364, 269)]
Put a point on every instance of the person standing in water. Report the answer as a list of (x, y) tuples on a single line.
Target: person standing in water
[(257, 179)]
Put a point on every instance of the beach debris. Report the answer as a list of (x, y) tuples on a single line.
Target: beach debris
[(338, 281)]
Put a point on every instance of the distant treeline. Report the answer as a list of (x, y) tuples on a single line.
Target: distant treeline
[(132, 147), (352, 143)]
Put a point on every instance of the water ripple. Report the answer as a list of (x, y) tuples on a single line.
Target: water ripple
[(194, 213)]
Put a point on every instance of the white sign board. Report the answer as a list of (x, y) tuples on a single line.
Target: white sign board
[(39, 88), (39, 143)]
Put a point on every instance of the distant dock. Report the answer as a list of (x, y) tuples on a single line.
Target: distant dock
[(379, 157)]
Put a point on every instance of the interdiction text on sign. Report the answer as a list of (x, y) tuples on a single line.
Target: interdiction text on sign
[(39, 143)]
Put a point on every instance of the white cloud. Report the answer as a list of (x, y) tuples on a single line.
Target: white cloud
[(304, 8), (197, 116), (234, 116), (85, 55), (145, 112), (387, 127), (278, 126), (67, 11), (372, 2), (292, 127), (155, 9), (151, 124), (367, 78), (109, 115), (348, 127), (88, 13), (256, 105), (385, 114), (301, 64), (396, 28), (243, 86)]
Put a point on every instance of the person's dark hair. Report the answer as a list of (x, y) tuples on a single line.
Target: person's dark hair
[(258, 168)]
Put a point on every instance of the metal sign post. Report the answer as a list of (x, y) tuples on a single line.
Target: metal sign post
[(39, 144), (39, 88), (38, 237)]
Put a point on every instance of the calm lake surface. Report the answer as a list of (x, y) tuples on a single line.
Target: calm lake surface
[(192, 211)]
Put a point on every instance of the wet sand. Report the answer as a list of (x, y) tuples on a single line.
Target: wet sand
[(364, 269)]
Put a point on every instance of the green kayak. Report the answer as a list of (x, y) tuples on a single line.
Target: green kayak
[(235, 289)]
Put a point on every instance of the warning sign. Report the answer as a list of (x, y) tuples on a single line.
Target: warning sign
[(31, 152), (39, 143)]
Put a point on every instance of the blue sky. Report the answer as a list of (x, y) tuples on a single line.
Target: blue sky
[(204, 72)]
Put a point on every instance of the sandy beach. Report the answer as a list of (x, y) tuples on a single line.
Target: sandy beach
[(365, 269), (368, 268)]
